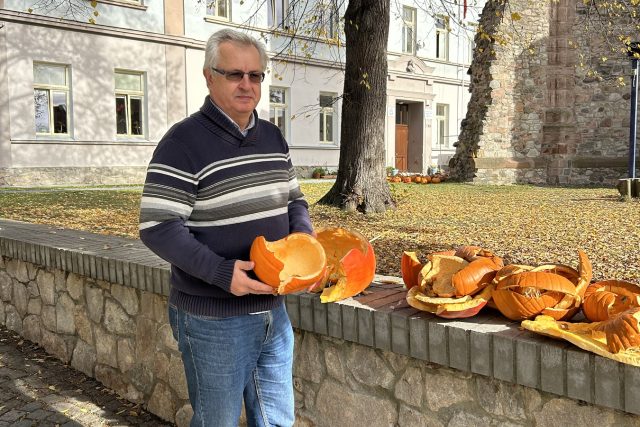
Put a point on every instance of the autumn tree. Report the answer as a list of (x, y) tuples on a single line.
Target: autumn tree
[(361, 184)]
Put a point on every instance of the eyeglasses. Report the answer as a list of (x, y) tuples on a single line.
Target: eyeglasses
[(236, 76)]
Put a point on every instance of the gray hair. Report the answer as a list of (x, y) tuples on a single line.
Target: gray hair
[(227, 35)]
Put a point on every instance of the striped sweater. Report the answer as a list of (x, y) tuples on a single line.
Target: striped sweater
[(208, 193)]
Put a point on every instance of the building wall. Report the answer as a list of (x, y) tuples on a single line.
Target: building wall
[(168, 40), (5, 103), (149, 17), (92, 140)]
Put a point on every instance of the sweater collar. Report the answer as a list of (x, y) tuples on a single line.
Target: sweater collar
[(222, 125), (252, 120)]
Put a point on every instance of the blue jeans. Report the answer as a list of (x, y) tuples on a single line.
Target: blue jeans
[(226, 359)]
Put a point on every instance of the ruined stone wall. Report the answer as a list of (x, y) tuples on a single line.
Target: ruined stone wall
[(538, 114)]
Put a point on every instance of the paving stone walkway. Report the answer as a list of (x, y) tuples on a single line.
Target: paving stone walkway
[(37, 389)]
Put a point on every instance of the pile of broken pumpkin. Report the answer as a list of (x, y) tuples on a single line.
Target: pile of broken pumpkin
[(458, 284)]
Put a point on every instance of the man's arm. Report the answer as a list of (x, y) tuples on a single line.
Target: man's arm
[(167, 201), (299, 219)]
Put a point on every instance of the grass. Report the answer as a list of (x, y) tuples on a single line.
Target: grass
[(524, 224)]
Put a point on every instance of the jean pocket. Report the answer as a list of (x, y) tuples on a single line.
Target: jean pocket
[(173, 320)]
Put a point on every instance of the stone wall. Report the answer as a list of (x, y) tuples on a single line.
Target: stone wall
[(99, 303), (538, 113), (338, 383), (114, 333)]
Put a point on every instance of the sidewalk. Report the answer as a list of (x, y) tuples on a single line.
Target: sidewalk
[(36, 389)]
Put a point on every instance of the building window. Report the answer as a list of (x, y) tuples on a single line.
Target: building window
[(277, 13), (279, 108), (442, 127), (130, 93), (329, 14), (51, 98), (408, 30), (472, 29), (442, 37), (327, 115), (218, 9), (402, 114)]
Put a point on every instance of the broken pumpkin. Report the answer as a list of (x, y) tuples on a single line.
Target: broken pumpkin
[(351, 263), (522, 292), (606, 299), (617, 338), (452, 284), (290, 264)]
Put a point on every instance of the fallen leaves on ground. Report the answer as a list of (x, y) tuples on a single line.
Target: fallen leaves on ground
[(523, 224)]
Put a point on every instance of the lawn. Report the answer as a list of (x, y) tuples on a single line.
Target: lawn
[(524, 224)]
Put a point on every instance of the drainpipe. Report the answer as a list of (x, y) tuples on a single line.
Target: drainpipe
[(634, 48)]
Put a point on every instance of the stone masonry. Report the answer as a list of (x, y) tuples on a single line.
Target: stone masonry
[(117, 334), (539, 113)]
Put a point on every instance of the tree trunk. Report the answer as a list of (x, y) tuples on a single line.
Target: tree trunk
[(361, 183)]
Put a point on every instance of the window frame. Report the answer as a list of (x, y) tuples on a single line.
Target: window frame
[(330, 19), (322, 118), (52, 89), (272, 14), (472, 27), (128, 95), (442, 120), (413, 27), (442, 37), (215, 8), (284, 107)]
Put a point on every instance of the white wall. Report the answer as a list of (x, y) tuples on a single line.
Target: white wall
[(92, 60), (457, 97), (150, 18)]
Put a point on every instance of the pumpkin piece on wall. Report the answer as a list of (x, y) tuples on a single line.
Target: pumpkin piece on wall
[(449, 308), (606, 299), (617, 338), (555, 290), (410, 268), (290, 264), (452, 284), (351, 263)]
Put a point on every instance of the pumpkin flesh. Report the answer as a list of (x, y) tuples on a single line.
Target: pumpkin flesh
[(615, 339), (290, 264)]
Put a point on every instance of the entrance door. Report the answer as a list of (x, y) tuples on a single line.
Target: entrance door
[(402, 145)]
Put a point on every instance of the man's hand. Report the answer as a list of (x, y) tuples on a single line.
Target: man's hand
[(242, 284)]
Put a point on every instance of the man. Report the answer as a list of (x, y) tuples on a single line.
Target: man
[(217, 180)]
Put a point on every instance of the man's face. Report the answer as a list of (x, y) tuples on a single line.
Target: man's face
[(237, 99)]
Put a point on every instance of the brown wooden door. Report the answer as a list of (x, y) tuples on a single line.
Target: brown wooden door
[(402, 143)]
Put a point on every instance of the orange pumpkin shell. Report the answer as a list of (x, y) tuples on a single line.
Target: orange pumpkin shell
[(608, 298), (622, 331), (351, 263), (290, 264), (523, 295), (449, 308), (570, 304), (410, 267), (477, 275)]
